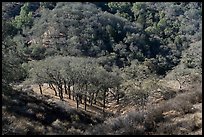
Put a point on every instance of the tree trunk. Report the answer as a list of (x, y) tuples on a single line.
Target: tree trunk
[(95, 97), (91, 101), (69, 91), (85, 96), (60, 91), (50, 86), (80, 98), (104, 100), (85, 102), (73, 93), (65, 87), (90, 98), (77, 101), (118, 96), (40, 88), (53, 88)]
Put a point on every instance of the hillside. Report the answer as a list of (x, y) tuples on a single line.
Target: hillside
[(27, 113), (125, 68)]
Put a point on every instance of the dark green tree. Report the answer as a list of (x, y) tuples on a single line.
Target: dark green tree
[(25, 17)]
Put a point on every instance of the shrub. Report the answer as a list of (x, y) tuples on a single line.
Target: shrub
[(179, 127), (100, 129), (75, 117), (133, 124), (193, 98), (168, 94), (116, 124), (154, 115), (74, 131), (181, 105), (167, 128)]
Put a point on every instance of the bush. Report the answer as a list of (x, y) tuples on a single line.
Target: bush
[(101, 129), (168, 94), (167, 128), (177, 128), (154, 115), (74, 131), (194, 97), (116, 124), (131, 124), (181, 106)]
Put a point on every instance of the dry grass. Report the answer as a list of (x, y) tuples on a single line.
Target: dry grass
[(26, 113)]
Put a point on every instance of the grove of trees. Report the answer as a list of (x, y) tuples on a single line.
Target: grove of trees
[(89, 80)]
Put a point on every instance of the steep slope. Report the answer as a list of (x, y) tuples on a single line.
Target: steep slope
[(25, 112), (178, 115)]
